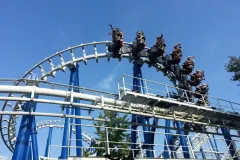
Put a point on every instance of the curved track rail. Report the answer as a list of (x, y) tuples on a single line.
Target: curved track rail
[(60, 124), (61, 66), (56, 62), (9, 122)]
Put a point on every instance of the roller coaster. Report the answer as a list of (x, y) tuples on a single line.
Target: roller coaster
[(197, 126)]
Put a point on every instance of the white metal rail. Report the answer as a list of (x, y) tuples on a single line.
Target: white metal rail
[(59, 62), (100, 102), (60, 124), (110, 104)]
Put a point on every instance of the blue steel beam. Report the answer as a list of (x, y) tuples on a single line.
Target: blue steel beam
[(34, 136), (64, 151), (49, 141), (22, 143), (77, 113), (167, 140), (153, 129), (30, 156), (70, 136), (230, 144), (29, 153), (138, 86), (183, 140), (203, 154), (25, 130), (74, 81), (214, 147), (190, 141)]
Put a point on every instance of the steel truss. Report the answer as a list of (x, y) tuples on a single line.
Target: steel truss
[(127, 102)]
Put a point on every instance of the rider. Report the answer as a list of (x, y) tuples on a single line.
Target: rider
[(117, 35), (201, 93), (157, 50), (188, 65), (141, 39), (201, 90), (160, 45), (139, 45), (196, 78), (176, 54)]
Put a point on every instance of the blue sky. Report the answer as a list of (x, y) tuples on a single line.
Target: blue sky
[(33, 30)]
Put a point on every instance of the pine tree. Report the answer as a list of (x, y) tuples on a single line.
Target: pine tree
[(114, 135), (234, 66)]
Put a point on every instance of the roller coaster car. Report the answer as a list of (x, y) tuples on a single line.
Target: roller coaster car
[(198, 127), (171, 65), (188, 66), (117, 42), (167, 63), (178, 96), (196, 78), (154, 55), (157, 51), (203, 101), (176, 54), (138, 47), (195, 127), (201, 90)]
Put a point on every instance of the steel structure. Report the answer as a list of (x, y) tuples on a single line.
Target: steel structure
[(147, 106)]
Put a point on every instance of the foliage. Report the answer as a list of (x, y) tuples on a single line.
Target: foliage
[(87, 152), (234, 67), (114, 135)]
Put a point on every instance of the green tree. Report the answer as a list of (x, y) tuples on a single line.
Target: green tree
[(114, 135), (87, 152), (234, 67)]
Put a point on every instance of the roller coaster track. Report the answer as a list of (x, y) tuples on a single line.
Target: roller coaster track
[(110, 104), (179, 111), (60, 124), (61, 66), (197, 141)]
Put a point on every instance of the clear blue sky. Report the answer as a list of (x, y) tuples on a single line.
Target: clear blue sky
[(33, 30)]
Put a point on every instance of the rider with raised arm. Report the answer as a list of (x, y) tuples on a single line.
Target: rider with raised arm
[(117, 35), (117, 42), (176, 54)]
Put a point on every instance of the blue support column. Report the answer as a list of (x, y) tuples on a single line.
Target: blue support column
[(77, 113), (70, 136), (203, 154), (29, 152), (190, 141), (138, 86), (49, 141), (152, 134), (214, 146), (64, 151), (30, 155), (67, 132), (167, 140), (34, 136), (183, 140), (230, 144), (133, 135), (25, 130)]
